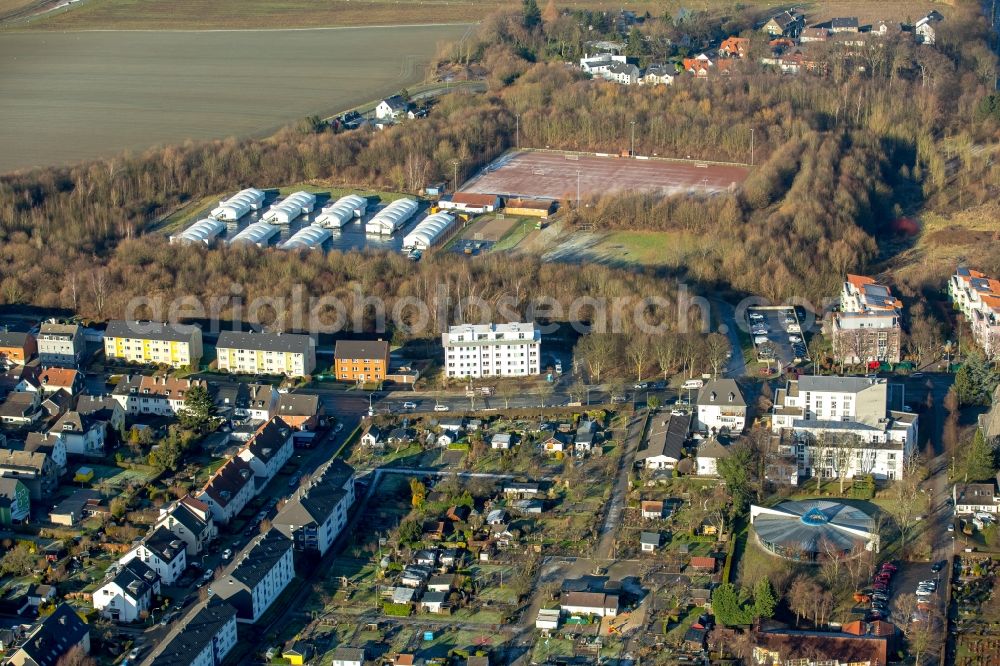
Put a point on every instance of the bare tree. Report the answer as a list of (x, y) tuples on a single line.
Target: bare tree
[(665, 349), (906, 492), (597, 350), (717, 351), (638, 353)]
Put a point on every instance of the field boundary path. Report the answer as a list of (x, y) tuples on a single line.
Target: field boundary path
[(616, 505)]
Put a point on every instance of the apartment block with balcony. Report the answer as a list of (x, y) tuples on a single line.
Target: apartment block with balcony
[(844, 425), (176, 345), (868, 327), (492, 350), (258, 577), (160, 396), (266, 353), (60, 345), (978, 297)]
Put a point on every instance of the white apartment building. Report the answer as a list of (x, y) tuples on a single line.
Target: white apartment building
[(492, 350), (163, 552), (868, 326), (599, 63), (266, 353), (721, 405), (191, 521), (258, 578), (203, 640), (978, 297), (61, 345), (229, 490), (316, 514), (162, 396), (844, 424), (128, 594), (268, 450)]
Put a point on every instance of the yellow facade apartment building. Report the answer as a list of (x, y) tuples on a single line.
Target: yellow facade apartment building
[(176, 345)]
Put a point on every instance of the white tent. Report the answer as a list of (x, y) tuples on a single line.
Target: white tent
[(428, 231), (310, 237), (239, 204), (290, 208), (258, 233), (392, 217), (203, 231), (336, 215)]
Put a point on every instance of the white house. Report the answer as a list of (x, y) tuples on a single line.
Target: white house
[(316, 514), (190, 520), (649, 541), (158, 395), (547, 619), (589, 603), (926, 28), (202, 640), (229, 490), (163, 552), (348, 656), (978, 297), (258, 577), (50, 444), (128, 594), (501, 440), (710, 451), (82, 434), (391, 107), (372, 437), (658, 75), (975, 498), (492, 350), (665, 442), (721, 406), (842, 426), (268, 450)]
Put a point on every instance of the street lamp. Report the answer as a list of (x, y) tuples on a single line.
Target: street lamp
[(751, 146), (577, 188), (632, 153), (454, 164), (518, 131)]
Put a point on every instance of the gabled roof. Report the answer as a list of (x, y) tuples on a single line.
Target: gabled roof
[(189, 639), (54, 636), (312, 505), (844, 22), (273, 342), (361, 349), (712, 448), (396, 103), (298, 404), (666, 436), (18, 405), (74, 422), (228, 480), (150, 330), (165, 544), (269, 439), (253, 567), (186, 512), (14, 338), (136, 578), (721, 392)]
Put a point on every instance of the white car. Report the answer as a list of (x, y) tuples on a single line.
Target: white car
[(794, 328), (441, 408), (760, 339), (756, 316), (409, 405), (794, 338), (692, 384)]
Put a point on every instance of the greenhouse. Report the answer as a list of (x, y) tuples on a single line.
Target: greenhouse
[(203, 231), (258, 233), (239, 204), (311, 238)]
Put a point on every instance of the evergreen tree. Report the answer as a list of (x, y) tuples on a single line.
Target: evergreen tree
[(764, 601), (199, 409), (975, 382), (735, 471), (729, 606), (980, 460), (531, 15)]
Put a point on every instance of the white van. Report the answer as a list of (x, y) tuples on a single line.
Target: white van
[(692, 384)]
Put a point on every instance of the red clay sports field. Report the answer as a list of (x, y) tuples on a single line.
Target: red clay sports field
[(553, 175)]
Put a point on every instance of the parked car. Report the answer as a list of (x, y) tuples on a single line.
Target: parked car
[(615, 399), (337, 428), (692, 384), (294, 481), (409, 405), (641, 386), (760, 339), (559, 368), (794, 328), (938, 566), (756, 316), (207, 577), (794, 339), (227, 554)]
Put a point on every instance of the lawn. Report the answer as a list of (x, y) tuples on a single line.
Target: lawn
[(246, 14), (515, 235)]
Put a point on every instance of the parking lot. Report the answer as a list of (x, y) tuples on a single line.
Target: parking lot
[(777, 335)]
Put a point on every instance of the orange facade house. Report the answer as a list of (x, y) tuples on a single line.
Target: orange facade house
[(361, 360), (17, 348)]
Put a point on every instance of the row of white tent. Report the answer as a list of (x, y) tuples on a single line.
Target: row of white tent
[(333, 216)]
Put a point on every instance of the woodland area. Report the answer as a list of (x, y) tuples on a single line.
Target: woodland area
[(840, 156)]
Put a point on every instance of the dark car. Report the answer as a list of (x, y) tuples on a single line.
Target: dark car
[(937, 566)]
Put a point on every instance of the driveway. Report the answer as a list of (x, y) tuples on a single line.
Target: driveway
[(612, 519)]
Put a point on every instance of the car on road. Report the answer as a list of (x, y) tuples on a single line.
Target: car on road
[(641, 386), (558, 367), (938, 566), (207, 577), (441, 408), (658, 385), (294, 481), (135, 652), (409, 405), (692, 384), (951, 528), (337, 428), (227, 554), (917, 375), (615, 399)]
